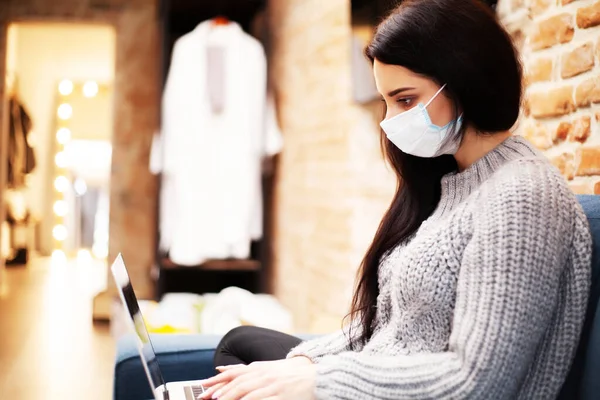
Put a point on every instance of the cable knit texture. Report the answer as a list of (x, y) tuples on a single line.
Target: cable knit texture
[(485, 301)]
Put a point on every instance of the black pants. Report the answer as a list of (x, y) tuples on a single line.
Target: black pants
[(247, 344)]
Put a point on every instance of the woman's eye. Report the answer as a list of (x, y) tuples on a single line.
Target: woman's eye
[(405, 101)]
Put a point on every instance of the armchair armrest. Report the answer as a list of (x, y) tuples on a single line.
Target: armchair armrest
[(181, 358)]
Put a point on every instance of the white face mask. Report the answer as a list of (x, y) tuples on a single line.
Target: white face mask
[(413, 132)]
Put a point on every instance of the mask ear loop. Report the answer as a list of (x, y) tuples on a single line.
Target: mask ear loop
[(445, 142), (435, 95)]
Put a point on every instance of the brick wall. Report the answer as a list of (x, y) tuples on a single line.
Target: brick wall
[(332, 185), (559, 42)]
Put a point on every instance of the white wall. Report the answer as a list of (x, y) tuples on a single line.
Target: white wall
[(45, 54)]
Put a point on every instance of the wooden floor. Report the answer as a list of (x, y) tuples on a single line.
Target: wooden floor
[(49, 347)]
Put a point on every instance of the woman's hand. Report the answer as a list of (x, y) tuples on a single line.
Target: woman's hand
[(291, 379)]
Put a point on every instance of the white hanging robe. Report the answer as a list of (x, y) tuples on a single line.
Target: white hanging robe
[(211, 194)]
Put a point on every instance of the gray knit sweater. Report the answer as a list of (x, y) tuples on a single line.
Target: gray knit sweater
[(485, 301)]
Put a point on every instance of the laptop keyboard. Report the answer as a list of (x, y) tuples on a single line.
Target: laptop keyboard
[(192, 392)]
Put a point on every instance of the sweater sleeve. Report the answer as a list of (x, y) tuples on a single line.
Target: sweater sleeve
[(331, 344), (507, 293)]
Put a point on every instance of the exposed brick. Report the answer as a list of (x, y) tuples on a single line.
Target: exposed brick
[(565, 164), (581, 129), (300, 28), (589, 161), (537, 7), (540, 70), (597, 49), (525, 105), (552, 31), (589, 16), (538, 134), (588, 92), (577, 61), (551, 103), (562, 131)]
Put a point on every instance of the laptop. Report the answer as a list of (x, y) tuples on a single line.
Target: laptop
[(190, 390)]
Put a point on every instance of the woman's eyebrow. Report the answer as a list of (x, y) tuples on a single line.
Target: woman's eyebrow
[(399, 90)]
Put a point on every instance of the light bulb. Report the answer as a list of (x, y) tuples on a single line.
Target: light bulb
[(65, 87), (61, 184), (60, 208), (63, 135), (59, 232), (60, 159), (90, 89), (65, 111)]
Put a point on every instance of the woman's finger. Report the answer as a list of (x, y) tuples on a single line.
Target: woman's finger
[(215, 380), (228, 367), (210, 391), (240, 387), (225, 376)]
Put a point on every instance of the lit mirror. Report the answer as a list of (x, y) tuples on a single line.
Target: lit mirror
[(82, 160)]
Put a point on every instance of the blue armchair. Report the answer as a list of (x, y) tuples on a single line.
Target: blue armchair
[(190, 357), (181, 358)]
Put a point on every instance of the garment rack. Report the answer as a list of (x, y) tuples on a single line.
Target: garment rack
[(178, 17)]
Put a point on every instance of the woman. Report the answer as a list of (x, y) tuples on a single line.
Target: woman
[(476, 283)]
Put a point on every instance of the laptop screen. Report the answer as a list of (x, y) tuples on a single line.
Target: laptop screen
[(149, 360)]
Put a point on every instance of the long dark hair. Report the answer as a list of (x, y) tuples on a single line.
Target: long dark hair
[(459, 43)]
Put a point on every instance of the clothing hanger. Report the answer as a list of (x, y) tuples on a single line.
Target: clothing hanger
[(220, 20)]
